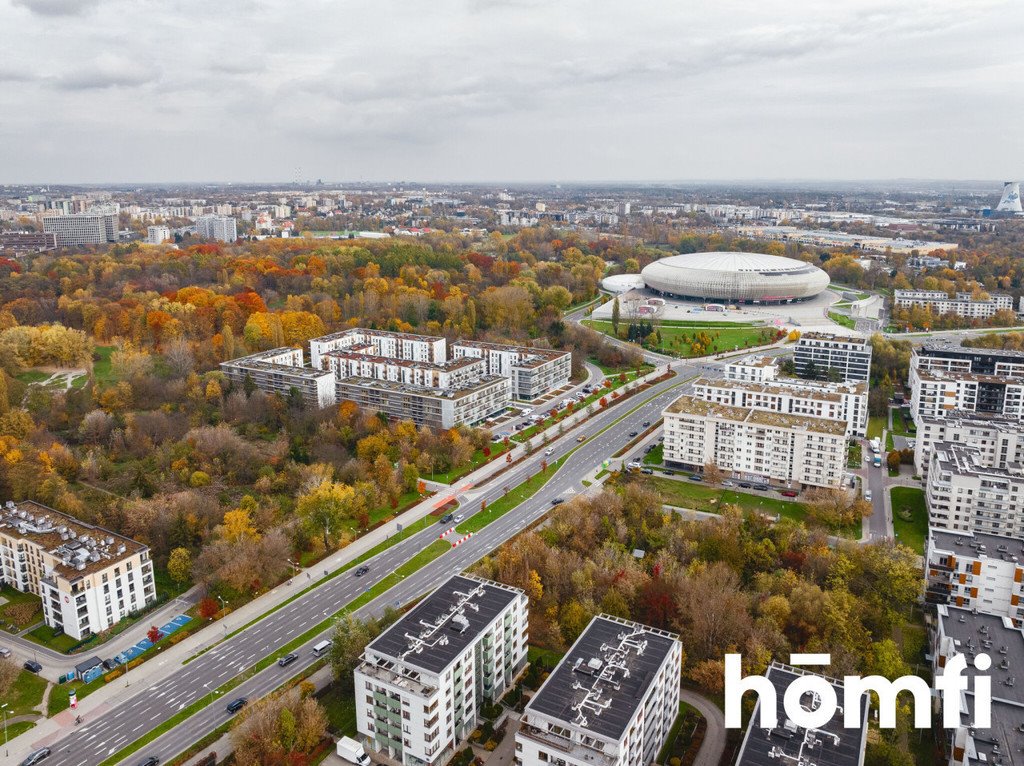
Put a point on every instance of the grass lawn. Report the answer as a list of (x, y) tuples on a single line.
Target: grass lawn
[(909, 516), (341, 711), (656, 456), (32, 376), (503, 505), (101, 369), (855, 457), (15, 610), (26, 693), (546, 657), (876, 423), (842, 319), (675, 337), (670, 740), (43, 635), (902, 423), (15, 729)]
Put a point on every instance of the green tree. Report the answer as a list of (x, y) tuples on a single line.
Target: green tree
[(615, 316), (326, 509)]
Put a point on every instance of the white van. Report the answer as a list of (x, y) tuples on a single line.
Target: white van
[(320, 648)]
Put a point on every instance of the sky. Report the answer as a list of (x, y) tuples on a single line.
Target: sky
[(112, 91)]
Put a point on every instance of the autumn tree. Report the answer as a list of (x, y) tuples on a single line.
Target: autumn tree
[(280, 728), (327, 507), (179, 566)]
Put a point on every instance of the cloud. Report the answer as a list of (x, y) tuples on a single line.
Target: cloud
[(57, 7), (108, 71)]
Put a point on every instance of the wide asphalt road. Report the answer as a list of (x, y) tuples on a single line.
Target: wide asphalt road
[(102, 736)]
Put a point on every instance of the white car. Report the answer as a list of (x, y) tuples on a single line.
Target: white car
[(867, 494), (549, 451), (458, 517), (4, 651)]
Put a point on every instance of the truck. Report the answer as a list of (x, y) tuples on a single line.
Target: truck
[(878, 461), (351, 751), (876, 446)]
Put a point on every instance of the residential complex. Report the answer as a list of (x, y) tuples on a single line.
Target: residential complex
[(87, 577), (95, 228), (611, 700), (833, 401), (964, 493), (954, 357), (1000, 440), (20, 242), (220, 227), (420, 684), (755, 444), (393, 345), (945, 378), (281, 371), (976, 571), (822, 355), (533, 371), (963, 304), (157, 235), (971, 632), (753, 368), (829, 745)]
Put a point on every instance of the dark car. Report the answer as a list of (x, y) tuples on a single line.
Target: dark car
[(695, 477), (557, 501), (648, 471), (447, 517), (237, 704), (287, 660), (761, 487), (650, 447), (789, 493), (36, 756), (362, 570), (744, 484), (632, 433), (647, 424), (151, 761), (33, 667), (110, 664)]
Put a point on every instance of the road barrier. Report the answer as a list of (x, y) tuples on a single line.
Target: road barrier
[(446, 533), (461, 540)]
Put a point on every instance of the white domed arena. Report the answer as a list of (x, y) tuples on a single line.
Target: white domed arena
[(735, 277)]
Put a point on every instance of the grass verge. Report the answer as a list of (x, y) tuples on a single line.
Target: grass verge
[(26, 694), (909, 517), (681, 339), (842, 319), (506, 503)]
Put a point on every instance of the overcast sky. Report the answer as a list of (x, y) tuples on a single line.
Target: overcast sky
[(509, 90)]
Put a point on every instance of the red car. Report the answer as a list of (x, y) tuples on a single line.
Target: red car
[(789, 493)]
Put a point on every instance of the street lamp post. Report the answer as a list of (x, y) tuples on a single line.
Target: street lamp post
[(3, 708)]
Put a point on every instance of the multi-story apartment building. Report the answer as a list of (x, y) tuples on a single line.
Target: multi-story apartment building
[(420, 684), (753, 369), (533, 371), (755, 444), (457, 373), (610, 702), (976, 571), (999, 440), (95, 228), (157, 235), (87, 577), (964, 494), (818, 353), (971, 632), (939, 302), (953, 357), (832, 743), (935, 393), (280, 371), (833, 401), (27, 242), (220, 227), (393, 345), (435, 407)]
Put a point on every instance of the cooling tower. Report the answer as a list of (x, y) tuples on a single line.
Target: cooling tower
[(1010, 201)]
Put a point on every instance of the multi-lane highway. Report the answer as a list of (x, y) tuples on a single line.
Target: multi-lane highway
[(106, 734)]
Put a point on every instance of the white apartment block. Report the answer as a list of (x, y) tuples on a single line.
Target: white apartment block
[(753, 369), (434, 407), (972, 632), (935, 393), (610, 702), (975, 571), (833, 401), (755, 444), (420, 684), (999, 440), (96, 228), (280, 371), (848, 356), (356, 363), (394, 345), (87, 577), (219, 227), (964, 494), (939, 302), (533, 371), (956, 358), (157, 235)]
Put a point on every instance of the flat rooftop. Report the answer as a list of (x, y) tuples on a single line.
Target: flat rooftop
[(995, 636), (440, 628), (938, 348), (827, 336), (772, 388), (976, 545), (483, 382), (355, 354), (690, 405), (74, 543), (786, 743), (379, 333), (944, 376), (755, 361), (613, 663)]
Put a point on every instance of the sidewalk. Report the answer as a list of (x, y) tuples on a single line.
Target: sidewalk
[(136, 681)]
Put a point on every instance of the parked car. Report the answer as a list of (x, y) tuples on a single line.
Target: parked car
[(447, 517), (36, 756), (761, 487), (867, 494), (744, 484), (647, 471), (557, 501), (288, 659), (695, 477), (237, 704), (360, 571), (151, 761), (634, 465), (32, 666), (728, 483), (5, 652), (789, 493), (110, 664)]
